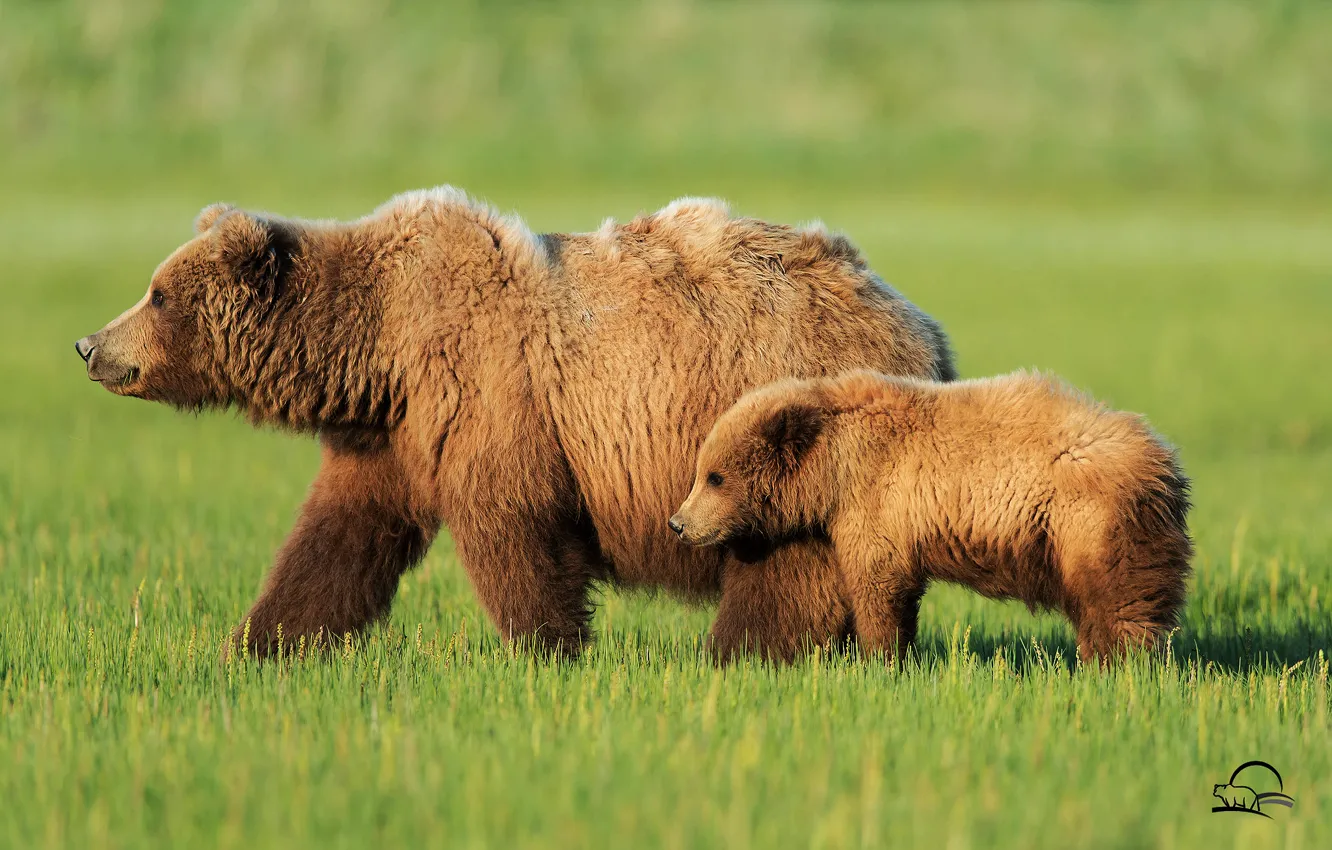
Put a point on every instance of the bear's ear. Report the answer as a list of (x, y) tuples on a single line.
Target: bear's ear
[(256, 250), (790, 430), (209, 215)]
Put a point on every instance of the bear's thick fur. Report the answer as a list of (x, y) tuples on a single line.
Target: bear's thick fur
[(541, 396), (1014, 486)]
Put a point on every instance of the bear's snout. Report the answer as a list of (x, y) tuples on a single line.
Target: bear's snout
[(688, 529), (105, 367)]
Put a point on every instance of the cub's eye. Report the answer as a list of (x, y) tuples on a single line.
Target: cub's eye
[(715, 479), (158, 298)]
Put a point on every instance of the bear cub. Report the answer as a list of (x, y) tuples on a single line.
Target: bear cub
[(1016, 486)]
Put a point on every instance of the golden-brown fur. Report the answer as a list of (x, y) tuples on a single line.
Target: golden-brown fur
[(539, 395), (1014, 486)]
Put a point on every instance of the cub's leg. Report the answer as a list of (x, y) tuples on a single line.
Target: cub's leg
[(885, 595), (338, 570), (779, 602), (1124, 592)]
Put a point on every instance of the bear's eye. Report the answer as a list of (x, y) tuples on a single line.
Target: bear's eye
[(158, 298), (715, 479)]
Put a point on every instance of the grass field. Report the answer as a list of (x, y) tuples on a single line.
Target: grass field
[(1195, 289)]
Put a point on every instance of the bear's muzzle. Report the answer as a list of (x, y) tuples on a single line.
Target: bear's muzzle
[(101, 368)]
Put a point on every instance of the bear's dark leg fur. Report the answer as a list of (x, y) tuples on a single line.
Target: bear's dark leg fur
[(534, 580), (1128, 597), (885, 595), (780, 602), (338, 570)]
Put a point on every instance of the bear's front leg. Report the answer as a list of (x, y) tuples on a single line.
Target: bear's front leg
[(886, 589), (338, 570), (780, 602)]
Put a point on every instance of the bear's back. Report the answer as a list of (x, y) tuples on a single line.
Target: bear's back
[(659, 324), (694, 252)]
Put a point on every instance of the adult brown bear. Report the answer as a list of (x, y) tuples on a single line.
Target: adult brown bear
[(542, 396)]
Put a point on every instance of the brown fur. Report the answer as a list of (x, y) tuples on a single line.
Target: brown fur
[(540, 396), (1015, 486)]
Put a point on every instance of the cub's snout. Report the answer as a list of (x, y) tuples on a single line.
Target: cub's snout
[(693, 526)]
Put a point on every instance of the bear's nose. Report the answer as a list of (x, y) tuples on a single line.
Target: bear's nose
[(85, 348), (675, 524)]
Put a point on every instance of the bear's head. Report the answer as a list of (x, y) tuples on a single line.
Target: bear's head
[(170, 346), (759, 471)]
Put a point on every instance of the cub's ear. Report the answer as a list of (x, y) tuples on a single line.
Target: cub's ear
[(790, 430), (209, 215), (256, 250)]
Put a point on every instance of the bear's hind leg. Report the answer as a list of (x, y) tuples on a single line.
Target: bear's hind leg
[(1124, 563), (535, 580), (1125, 598), (781, 602), (1093, 605)]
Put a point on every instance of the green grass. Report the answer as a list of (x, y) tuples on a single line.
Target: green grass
[(1207, 95), (1137, 198), (133, 537)]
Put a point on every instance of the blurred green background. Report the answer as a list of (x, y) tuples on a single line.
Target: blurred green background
[(1128, 97), (1135, 195)]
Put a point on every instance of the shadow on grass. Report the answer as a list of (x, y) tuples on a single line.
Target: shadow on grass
[(1043, 648), (1233, 650), (1241, 648)]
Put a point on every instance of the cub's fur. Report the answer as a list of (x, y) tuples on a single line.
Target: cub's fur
[(1015, 486)]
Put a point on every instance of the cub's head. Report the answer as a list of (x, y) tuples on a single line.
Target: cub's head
[(753, 473), (165, 348)]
